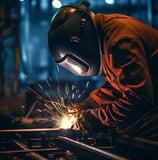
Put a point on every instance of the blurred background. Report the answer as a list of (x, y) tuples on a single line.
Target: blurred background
[(25, 61)]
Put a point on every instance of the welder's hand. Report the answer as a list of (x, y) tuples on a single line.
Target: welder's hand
[(76, 111), (73, 109), (76, 108)]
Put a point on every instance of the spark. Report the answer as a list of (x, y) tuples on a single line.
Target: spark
[(40, 86), (48, 95), (73, 87), (83, 92), (50, 78), (73, 95), (35, 92), (67, 89), (48, 84), (87, 84), (57, 68), (77, 91), (47, 104), (79, 96), (39, 110), (55, 107)]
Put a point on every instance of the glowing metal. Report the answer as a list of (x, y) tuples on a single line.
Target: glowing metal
[(67, 122)]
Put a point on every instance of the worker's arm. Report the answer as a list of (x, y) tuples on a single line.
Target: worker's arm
[(130, 70)]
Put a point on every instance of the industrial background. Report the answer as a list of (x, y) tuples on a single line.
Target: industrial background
[(24, 55)]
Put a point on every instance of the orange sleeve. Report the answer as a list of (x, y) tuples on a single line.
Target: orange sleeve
[(121, 105)]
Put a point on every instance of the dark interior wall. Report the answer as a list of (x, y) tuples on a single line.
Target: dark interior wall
[(9, 47)]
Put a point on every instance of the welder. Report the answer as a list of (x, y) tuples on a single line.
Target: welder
[(126, 51)]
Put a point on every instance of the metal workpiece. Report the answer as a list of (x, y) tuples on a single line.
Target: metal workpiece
[(31, 130), (142, 145), (30, 154), (85, 151), (54, 143)]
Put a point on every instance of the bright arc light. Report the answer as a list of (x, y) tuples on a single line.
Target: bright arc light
[(67, 122), (56, 4), (110, 1)]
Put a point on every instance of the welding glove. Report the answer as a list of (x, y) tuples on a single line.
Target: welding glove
[(87, 116), (88, 121), (87, 104)]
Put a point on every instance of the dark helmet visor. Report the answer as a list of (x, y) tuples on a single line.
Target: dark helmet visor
[(73, 41)]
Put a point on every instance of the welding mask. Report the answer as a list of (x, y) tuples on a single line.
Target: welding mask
[(73, 40)]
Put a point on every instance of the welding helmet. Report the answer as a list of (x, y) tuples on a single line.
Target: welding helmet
[(73, 40)]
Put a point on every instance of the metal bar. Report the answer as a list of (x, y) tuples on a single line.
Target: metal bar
[(34, 150), (137, 142), (29, 154), (87, 151), (31, 130), (21, 145), (35, 156)]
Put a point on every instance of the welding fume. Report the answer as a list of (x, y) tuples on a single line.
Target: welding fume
[(125, 51)]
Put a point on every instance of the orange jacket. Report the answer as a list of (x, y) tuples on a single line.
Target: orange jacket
[(130, 66)]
